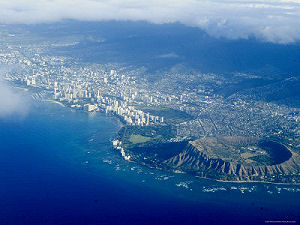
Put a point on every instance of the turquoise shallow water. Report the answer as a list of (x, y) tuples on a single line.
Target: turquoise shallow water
[(57, 167)]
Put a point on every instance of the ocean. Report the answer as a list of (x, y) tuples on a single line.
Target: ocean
[(57, 166)]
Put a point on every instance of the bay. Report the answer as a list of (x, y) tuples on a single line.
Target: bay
[(57, 166)]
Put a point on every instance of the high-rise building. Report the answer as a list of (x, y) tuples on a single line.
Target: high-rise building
[(112, 72)]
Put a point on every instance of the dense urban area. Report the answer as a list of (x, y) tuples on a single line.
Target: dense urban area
[(178, 104)]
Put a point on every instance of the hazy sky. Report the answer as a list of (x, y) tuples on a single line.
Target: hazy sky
[(269, 20)]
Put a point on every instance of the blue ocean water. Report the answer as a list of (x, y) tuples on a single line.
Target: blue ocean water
[(57, 167)]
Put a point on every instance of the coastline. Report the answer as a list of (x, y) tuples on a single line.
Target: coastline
[(249, 182), (55, 102), (239, 181), (122, 124)]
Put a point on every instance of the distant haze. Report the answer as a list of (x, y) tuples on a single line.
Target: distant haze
[(275, 21)]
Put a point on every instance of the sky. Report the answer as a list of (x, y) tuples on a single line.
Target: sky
[(276, 21)]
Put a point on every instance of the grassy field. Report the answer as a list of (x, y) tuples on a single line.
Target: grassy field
[(136, 136), (137, 139)]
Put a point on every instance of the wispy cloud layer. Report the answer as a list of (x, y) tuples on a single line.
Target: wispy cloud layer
[(269, 20), (11, 102)]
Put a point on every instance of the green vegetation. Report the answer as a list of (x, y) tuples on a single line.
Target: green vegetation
[(133, 136), (137, 139), (263, 159), (155, 154)]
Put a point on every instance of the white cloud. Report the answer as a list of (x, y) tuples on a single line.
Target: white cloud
[(168, 55), (11, 101), (269, 20)]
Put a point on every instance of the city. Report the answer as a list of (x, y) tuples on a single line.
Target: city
[(181, 103)]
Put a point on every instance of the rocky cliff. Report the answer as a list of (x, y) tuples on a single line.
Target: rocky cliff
[(193, 160)]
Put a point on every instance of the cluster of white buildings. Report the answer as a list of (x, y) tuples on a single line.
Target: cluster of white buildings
[(133, 116), (82, 94)]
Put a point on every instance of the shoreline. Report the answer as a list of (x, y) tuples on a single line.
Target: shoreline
[(55, 102), (248, 182), (121, 124), (211, 179), (238, 181)]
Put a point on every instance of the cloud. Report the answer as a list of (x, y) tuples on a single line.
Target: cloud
[(269, 20), (12, 102), (168, 55)]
